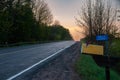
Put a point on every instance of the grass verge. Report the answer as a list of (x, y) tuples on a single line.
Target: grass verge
[(115, 51), (115, 48), (88, 69)]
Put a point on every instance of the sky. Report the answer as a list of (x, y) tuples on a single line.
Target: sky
[(65, 12)]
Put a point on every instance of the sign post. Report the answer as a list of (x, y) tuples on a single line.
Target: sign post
[(100, 53), (107, 67)]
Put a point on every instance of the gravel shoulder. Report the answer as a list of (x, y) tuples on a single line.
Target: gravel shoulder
[(61, 68)]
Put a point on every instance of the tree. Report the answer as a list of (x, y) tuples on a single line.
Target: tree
[(42, 12), (97, 18), (2, 5), (6, 20), (17, 22), (58, 32), (56, 22)]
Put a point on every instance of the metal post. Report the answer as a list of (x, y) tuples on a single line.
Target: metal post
[(107, 72), (107, 67), (106, 49)]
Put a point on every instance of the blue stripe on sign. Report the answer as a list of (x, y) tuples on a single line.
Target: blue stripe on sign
[(101, 37)]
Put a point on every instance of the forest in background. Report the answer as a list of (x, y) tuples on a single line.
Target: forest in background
[(28, 21)]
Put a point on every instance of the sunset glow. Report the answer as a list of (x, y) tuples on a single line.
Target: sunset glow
[(65, 12)]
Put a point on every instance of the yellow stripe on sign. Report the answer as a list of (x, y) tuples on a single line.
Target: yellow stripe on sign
[(92, 49)]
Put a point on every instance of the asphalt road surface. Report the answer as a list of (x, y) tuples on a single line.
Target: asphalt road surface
[(14, 60)]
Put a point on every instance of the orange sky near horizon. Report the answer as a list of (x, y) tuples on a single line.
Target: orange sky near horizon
[(76, 33)]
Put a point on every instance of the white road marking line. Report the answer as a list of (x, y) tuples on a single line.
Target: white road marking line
[(25, 70)]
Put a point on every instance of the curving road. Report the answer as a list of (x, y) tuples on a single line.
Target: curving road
[(13, 60)]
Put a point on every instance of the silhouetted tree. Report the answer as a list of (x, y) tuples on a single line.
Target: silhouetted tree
[(56, 22), (42, 12), (58, 32), (97, 18)]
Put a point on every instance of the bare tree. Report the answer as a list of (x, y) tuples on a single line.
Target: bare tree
[(56, 22), (42, 12), (97, 18)]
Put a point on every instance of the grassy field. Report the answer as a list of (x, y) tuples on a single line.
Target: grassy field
[(88, 69)]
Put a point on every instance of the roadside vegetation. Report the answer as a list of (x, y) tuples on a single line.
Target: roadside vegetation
[(115, 51), (89, 70), (115, 48), (30, 21)]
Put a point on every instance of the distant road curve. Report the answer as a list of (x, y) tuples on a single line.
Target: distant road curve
[(15, 61)]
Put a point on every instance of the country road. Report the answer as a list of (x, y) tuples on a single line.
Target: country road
[(14, 60)]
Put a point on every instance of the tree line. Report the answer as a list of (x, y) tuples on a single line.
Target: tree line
[(28, 21)]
